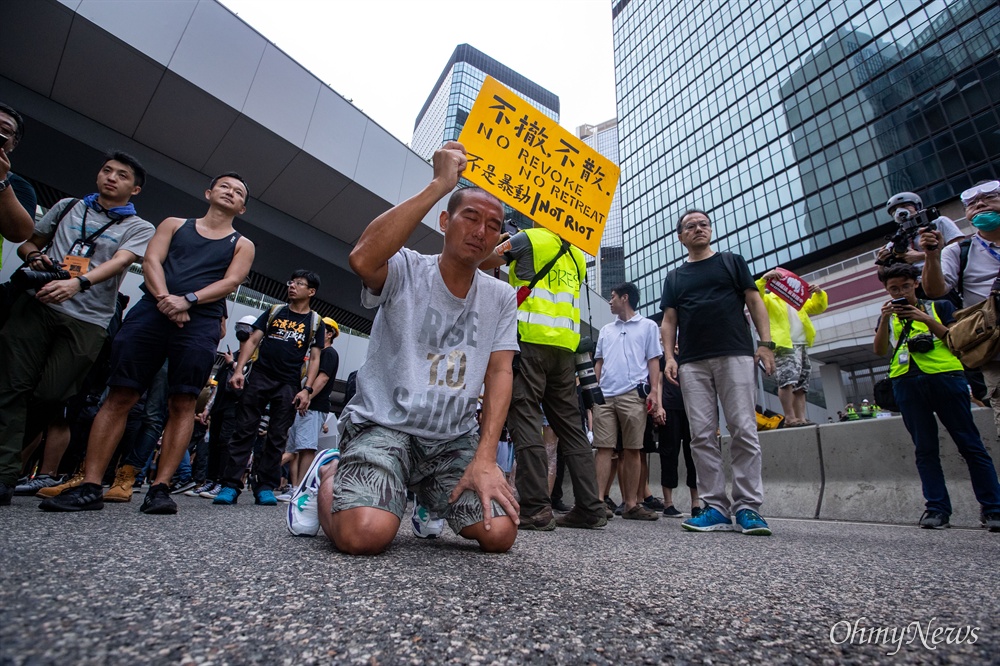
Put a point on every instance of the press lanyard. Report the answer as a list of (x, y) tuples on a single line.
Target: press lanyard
[(86, 240), (986, 246)]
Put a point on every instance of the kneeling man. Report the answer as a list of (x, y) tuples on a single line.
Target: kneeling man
[(443, 329)]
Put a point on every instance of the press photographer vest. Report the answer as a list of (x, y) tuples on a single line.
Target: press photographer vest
[(550, 315), (938, 360)]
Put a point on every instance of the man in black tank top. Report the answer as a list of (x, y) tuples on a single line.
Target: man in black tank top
[(190, 267)]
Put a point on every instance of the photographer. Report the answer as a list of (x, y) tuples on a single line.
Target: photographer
[(927, 380), (548, 273), (907, 210), (972, 276), (57, 329)]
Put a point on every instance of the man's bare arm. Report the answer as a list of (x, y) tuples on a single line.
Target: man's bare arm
[(386, 235), (483, 476), (668, 337)]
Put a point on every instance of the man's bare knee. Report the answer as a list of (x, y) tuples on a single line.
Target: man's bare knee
[(121, 399), (498, 539), (363, 530)]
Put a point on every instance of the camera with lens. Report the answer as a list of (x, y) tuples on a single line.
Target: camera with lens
[(26, 278), (910, 225), (589, 388), (921, 344)]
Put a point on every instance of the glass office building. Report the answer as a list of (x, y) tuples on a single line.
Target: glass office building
[(610, 272), (444, 113), (792, 123)]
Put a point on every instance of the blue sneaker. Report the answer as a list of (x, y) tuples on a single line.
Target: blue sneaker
[(226, 496), (265, 498), (709, 520), (751, 523)]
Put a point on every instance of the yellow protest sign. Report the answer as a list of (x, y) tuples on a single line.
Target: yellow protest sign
[(536, 167)]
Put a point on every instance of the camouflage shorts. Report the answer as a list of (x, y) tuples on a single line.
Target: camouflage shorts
[(792, 368), (378, 464)]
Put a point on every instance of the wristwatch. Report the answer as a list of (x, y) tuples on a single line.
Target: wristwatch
[(85, 284), (191, 298), (308, 389), (766, 343), (4, 184)]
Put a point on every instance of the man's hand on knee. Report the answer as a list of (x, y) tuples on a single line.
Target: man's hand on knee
[(484, 478)]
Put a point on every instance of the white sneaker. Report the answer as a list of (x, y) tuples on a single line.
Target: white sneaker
[(302, 517), (425, 527), (284, 497)]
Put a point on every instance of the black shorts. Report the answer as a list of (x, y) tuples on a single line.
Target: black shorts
[(148, 338)]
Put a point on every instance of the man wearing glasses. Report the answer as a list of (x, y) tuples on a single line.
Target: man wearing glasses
[(943, 270), (286, 334), (703, 301)]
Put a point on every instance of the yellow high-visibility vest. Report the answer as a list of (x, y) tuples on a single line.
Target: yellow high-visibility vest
[(550, 315)]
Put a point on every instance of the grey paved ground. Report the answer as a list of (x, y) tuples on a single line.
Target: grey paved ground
[(219, 585)]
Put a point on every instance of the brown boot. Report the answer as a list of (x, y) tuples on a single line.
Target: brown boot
[(121, 489), (52, 491)]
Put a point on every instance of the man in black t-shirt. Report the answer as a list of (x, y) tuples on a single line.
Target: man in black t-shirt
[(303, 438), (286, 334), (704, 299)]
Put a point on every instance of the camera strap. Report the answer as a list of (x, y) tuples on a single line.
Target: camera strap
[(903, 335), (86, 240), (524, 291)]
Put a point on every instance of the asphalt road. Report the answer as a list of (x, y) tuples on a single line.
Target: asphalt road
[(228, 585)]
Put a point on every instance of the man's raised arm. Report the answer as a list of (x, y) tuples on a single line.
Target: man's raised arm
[(388, 232)]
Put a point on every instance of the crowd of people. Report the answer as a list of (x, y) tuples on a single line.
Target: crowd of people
[(463, 376)]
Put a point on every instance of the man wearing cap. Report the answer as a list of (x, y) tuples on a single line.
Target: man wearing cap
[(191, 265), (944, 269), (303, 437)]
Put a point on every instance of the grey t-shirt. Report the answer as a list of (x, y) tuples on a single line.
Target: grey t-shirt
[(97, 304), (429, 350)]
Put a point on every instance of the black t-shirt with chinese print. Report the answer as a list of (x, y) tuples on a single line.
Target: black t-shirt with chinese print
[(285, 347)]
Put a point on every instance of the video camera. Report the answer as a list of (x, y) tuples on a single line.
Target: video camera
[(589, 388), (910, 225)]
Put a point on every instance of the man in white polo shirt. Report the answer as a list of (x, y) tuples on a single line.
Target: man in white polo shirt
[(627, 365)]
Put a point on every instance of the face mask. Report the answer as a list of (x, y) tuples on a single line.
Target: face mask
[(988, 221)]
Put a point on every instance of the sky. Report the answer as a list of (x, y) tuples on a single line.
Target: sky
[(386, 55)]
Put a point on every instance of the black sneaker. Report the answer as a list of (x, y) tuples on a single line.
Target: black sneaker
[(654, 503), (183, 486), (991, 520), (672, 512), (158, 500), (6, 494), (934, 520), (84, 497), (610, 503), (620, 509)]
